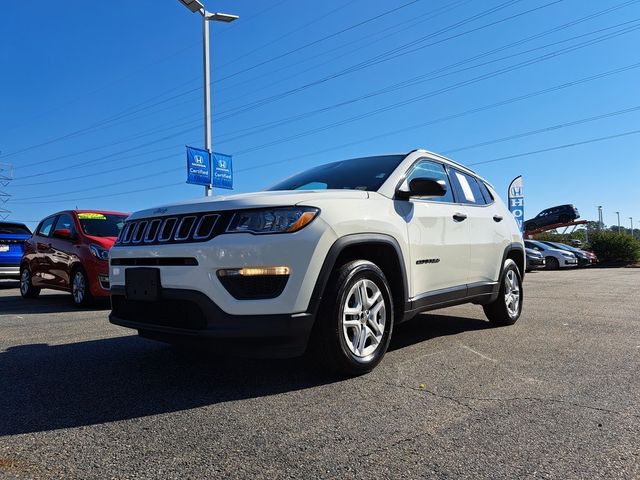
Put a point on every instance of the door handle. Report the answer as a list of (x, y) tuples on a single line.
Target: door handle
[(459, 217), (497, 218)]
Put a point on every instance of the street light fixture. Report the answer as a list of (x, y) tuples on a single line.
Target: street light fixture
[(618, 213), (196, 6), (193, 5)]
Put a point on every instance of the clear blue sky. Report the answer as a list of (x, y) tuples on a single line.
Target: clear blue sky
[(98, 99)]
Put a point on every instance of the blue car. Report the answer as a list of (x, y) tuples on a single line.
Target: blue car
[(12, 238)]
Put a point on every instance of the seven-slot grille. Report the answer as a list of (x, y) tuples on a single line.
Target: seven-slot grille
[(173, 229)]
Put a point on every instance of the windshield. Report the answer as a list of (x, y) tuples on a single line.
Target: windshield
[(367, 173), (101, 224)]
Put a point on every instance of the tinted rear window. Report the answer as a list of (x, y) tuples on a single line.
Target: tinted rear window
[(14, 229)]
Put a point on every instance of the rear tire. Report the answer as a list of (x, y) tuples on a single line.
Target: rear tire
[(355, 320), (564, 219), (27, 290), (506, 309), (552, 263), (80, 290), (530, 226)]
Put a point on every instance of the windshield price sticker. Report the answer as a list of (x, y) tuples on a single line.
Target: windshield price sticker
[(91, 216)]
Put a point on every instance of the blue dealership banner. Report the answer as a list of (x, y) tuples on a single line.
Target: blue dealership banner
[(198, 166), (516, 201), (222, 171)]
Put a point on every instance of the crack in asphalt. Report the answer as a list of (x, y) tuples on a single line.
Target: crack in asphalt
[(458, 399)]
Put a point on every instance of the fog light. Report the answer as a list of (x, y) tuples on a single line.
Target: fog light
[(254, 283), (253, 271)]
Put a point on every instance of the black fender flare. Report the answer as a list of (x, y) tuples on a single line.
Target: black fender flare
[(338, 247), (508, 249)]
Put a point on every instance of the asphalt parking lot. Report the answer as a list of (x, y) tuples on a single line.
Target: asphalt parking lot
[(555, 396)]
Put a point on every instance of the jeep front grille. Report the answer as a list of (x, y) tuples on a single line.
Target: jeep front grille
[(174, 229)]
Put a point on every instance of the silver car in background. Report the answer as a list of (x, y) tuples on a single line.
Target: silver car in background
[(554, 257)]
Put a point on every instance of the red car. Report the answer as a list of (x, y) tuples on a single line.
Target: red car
[(69, 251)]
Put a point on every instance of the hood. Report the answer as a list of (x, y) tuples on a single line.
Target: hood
[(104, 242), (532, 252), (250, 200), (559, 250)]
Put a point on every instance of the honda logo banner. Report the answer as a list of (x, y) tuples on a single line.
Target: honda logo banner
[(516, 201), (222, 171), (198, 166)]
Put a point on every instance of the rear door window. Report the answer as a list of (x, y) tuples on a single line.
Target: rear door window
[(468, 189), (486, 193)]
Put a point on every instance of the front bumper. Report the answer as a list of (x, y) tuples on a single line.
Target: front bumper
[(303, 252), (183, 315), (98, 273), (536, 262), (10, 272), (571, 262)]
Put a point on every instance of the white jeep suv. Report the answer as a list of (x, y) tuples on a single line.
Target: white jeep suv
[(326, 262)]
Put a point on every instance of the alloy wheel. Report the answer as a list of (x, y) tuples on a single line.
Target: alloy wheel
[(24, 281), (512, 293), (78, 288), (364, 315)]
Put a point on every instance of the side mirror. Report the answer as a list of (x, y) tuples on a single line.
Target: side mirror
[(62, 233), (424, 187)]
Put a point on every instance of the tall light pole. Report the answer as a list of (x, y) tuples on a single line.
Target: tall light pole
[(195, 6), (600, 223), (618, 213), (632, 235)]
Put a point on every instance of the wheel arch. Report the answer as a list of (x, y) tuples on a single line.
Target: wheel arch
[(515, 252), (381, 249)]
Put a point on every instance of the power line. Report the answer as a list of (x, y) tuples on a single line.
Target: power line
[(406, 83), (544, 130), (134, 109), (452, 116), (380, 58), (455, 25), (320, 40), (518, 155), (421, 124), (446, 89), (558, 147)]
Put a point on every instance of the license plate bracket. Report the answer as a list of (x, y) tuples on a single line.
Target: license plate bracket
[(142, 284)]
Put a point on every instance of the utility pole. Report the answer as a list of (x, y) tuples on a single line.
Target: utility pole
[(632, 235), (6, 175), (196, 6)]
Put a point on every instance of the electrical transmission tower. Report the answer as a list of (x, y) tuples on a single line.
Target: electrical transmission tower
[(6, 175)]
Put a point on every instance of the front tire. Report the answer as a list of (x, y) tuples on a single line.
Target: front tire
[(80, 291), (27, 290), (355, 320), (552, 263), (506, 309)]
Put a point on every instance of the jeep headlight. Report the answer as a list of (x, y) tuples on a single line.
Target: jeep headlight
[(272, 220)]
